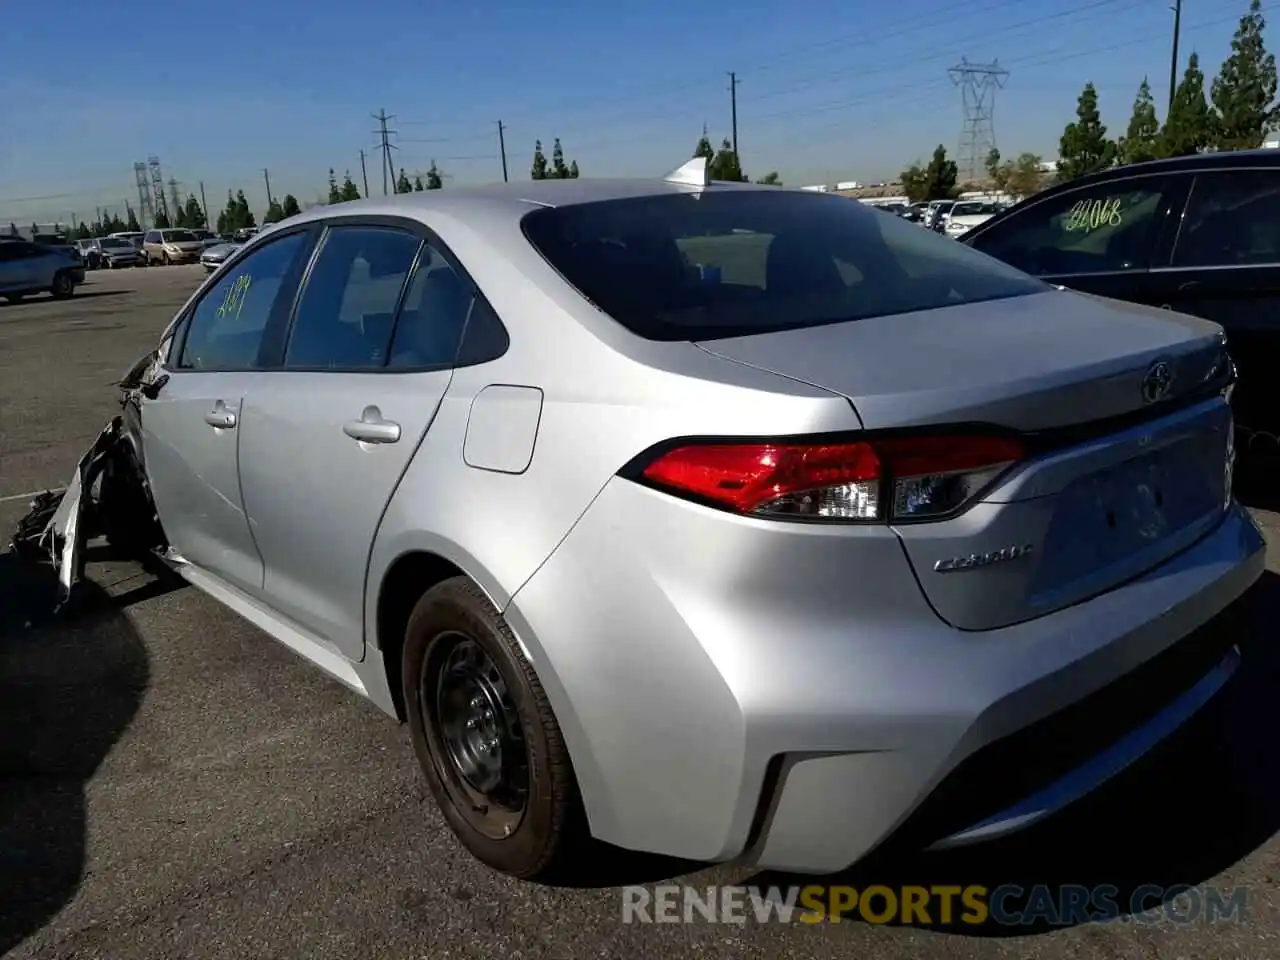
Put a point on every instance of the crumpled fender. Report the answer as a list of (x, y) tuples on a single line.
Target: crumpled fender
[(58, 525)]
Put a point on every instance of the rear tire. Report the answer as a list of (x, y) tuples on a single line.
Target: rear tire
[(486, 737)]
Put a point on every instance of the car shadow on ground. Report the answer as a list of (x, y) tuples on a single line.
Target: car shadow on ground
[(69, 687), (1206, 798)]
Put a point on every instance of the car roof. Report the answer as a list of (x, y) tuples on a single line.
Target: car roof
[(509, 200)]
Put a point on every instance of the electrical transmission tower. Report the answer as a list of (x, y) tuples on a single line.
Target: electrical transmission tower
[(157, 188), (978, 83), (146, 208)]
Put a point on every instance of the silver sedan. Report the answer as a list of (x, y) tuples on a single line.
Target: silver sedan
[(704, 519)]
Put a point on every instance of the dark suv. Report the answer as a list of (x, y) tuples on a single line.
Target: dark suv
[(1199, 235)]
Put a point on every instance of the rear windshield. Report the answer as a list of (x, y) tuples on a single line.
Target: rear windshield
[(738, 262)]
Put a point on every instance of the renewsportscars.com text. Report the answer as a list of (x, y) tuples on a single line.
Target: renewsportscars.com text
[(1009, 905)]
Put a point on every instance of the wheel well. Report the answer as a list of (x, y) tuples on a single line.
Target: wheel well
[(409, 578)]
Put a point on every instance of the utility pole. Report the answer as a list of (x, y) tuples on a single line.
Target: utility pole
[(1173, 63), (733, 112), (266, 175), (382, 118), (502, 148), (364, 174), (204, 206)]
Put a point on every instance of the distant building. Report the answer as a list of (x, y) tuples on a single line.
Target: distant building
[(1271, 144), (816, 188)]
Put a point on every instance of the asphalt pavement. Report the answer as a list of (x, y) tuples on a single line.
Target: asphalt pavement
[(175, 784)]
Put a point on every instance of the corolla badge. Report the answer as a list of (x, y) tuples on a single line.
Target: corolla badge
[(1157, 381), (975, 561)]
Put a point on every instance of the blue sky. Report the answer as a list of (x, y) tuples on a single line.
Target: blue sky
[(828, 90)]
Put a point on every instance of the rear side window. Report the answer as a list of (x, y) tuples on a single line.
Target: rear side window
[(1102, 228), (718, 264), (1231, 220)]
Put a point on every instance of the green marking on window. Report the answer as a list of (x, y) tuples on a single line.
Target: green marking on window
[(1088, 215), (233, 299)]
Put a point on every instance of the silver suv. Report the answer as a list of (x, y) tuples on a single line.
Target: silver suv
[(27, 268)]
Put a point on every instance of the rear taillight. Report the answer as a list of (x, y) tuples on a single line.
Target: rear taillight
[(898, 478)]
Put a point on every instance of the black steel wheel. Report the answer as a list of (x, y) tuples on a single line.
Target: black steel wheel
[(486, 736)]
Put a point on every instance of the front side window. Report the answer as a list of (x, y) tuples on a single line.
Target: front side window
[(1103, 228), (348, 306), (226, 327), (1232, 219), (690, 266)]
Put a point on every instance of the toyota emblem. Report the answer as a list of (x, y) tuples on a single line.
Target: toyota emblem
[(1157, 381)]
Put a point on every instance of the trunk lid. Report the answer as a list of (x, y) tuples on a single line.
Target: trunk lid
[(1091, 510), (1026, 363)]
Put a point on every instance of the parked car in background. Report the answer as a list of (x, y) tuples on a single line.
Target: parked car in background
[(171, 246), (116, 252), (207, 237), (89, 255), (1197, 234), (964, 215), (653, 505), (133, 236), (211, 258), (30, 268), (935, 216), (58, 241)]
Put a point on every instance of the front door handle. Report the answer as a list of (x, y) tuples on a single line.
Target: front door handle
[(220, 416), (371, 428)]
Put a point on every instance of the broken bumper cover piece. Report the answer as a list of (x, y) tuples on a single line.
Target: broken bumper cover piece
[(59, 525)]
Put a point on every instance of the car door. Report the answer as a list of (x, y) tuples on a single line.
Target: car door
[(1098, 238), (1225, 267), (191, 427), (329, 433), (15, 266)]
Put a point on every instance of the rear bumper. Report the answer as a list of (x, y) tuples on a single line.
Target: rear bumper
[(727, 689)]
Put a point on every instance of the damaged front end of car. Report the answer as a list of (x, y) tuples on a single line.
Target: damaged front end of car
[(107, 496)]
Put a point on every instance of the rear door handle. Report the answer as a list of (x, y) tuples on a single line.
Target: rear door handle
[(371, 428), (220, 416)]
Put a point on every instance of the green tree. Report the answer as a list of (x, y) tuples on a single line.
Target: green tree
[(290, 206), (1244, 91), (725, 165), (117, 225), (573, 169), (1022, 176), (349, 191), (1141, 142), (193, 214), (222, 225), (1189, 127), (13, 229), (434, 180), (538, 171), (403, 184), (418, 185), (244, 215), (1084, 147), (275, 212), (937, 181), (559, 171), (335, 195), (34, 229), (704, 148), (771, 179), (162, 221), (83, 232), (132, 224), (994, 170)]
